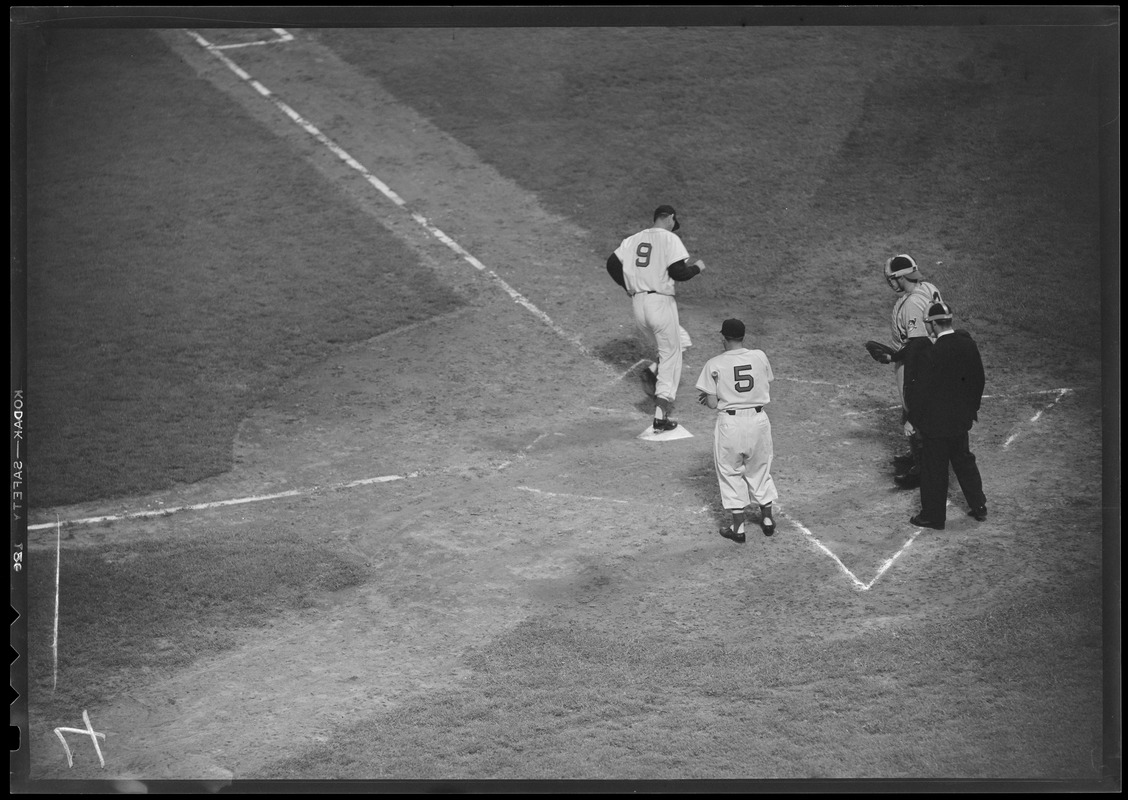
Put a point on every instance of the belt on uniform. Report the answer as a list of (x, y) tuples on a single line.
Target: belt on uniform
[(732, 411), (648, 291)]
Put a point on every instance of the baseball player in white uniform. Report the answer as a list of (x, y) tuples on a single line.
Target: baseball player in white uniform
[(737, 384), (648, 265), (908, 331)]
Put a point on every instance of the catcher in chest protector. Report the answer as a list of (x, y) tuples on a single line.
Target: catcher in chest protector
[(736, 383), (909, 335)]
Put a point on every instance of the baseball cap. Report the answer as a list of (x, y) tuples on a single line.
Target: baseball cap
[(667, 211), (732, 329), (939, 311)]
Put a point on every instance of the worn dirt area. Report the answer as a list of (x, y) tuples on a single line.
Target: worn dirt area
[(522, 486)]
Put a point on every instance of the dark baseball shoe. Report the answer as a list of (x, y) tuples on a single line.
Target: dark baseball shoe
[(979, 513), (767, 521), (903, 462), (921, 522), (910, 480), (736, 536), (663, 425)]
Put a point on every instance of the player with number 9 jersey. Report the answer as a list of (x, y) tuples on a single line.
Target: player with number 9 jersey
[(645, 258), (648, 265)]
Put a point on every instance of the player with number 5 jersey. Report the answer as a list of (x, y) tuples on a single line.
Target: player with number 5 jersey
[(737, 384), (648, 266)]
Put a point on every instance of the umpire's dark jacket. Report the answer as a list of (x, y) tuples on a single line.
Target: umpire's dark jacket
[(947, 388)]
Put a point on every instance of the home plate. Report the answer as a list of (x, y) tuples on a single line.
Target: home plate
[(665, 436)]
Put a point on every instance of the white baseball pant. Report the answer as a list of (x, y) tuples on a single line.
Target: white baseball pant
[(656, 317), (742, 454)]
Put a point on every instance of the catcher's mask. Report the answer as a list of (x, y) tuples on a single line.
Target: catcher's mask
[(939, 311), (667, 211), (898, 267)]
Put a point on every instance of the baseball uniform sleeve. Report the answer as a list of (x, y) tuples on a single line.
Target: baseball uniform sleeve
[(615, 270), (675, 247), (681, 271), (707, 380), (916, 309)]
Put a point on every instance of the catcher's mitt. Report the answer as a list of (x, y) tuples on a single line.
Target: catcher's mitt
[(881, 353)]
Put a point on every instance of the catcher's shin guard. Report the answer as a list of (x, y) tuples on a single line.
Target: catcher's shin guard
[(916, 446)]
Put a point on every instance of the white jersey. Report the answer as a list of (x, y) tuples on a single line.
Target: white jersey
[(909, 313), (646, 256), (739, 378)]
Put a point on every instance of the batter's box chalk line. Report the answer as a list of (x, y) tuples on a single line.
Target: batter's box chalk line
[(857, 582), (1061, 393), (826, 551)]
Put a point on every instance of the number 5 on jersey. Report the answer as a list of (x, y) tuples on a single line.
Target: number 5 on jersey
[(742, 381)]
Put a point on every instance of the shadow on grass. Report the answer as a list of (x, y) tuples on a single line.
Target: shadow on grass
[(623, 353)]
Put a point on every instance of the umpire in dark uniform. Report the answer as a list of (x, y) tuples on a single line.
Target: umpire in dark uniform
[(943, 401)]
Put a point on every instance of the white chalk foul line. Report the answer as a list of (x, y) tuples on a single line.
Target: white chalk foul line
[(385, 190), (854, 579), (1060, 394), (55, 632), (573, 496), (164, 512), (858, 583), (543, 493), (524, 452), (828, 552), (889, 561), (618, 412), (815, 383)]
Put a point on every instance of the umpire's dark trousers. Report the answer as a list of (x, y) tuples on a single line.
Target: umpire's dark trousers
[(937, 453)]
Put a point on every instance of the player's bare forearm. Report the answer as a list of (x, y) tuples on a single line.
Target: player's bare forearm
[(709, 400)]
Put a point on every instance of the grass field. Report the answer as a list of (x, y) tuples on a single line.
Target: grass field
[(189, 268), (154, 322)]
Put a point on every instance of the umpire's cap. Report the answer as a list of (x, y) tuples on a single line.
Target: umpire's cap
[(732, 329), (939, 312), (667, 211)]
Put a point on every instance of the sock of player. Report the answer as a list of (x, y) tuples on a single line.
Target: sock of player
[(738, 521), (659, 412)]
